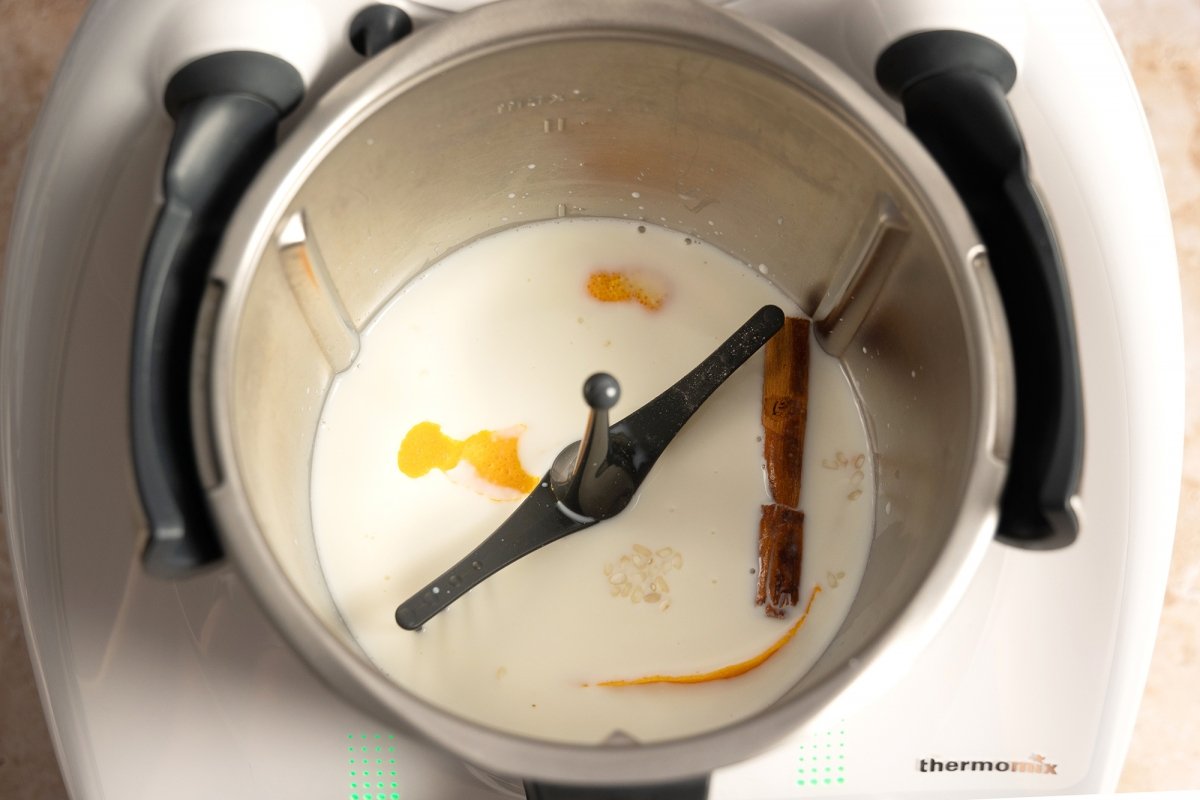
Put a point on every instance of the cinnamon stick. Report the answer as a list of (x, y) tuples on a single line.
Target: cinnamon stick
[(785, 420), (785, 409), (780, 554)]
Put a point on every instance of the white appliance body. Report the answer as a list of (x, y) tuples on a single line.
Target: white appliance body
[(184, 689)]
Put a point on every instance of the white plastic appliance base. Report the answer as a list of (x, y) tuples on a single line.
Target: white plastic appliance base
[(184, 690)]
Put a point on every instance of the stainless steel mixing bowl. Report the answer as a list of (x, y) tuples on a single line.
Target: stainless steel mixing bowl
[(708, 118)]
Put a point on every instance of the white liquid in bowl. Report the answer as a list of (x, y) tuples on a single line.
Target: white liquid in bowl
[(503, 333)]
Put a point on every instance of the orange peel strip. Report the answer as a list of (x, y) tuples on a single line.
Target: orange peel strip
[(723, 673)]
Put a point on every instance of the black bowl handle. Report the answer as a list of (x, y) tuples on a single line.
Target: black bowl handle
[(953, 87), (226, 108)]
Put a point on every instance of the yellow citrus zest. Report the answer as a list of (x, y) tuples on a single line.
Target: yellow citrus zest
[(493, 455), (727, 672), (621, 287), (425, 448)]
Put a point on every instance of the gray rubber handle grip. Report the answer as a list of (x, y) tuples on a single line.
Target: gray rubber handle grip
[(227, 108), (953, 86)]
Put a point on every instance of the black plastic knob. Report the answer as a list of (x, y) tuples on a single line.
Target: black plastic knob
[(601, 391), (377, 27)]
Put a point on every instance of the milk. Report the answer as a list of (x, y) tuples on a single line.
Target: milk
[(500, 335)]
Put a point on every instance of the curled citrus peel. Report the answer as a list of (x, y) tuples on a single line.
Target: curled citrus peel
[(727, 672)]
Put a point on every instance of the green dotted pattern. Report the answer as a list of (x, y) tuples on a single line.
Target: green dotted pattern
[(821, 760), (372, 766)]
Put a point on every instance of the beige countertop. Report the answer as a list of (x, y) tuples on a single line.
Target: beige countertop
[(1161, 40)]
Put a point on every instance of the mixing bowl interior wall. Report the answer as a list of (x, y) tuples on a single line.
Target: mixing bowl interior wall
[(594, 127), (916, 367), (280, 381)]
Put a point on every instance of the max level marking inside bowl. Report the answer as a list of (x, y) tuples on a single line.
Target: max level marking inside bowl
[(502, 333)]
